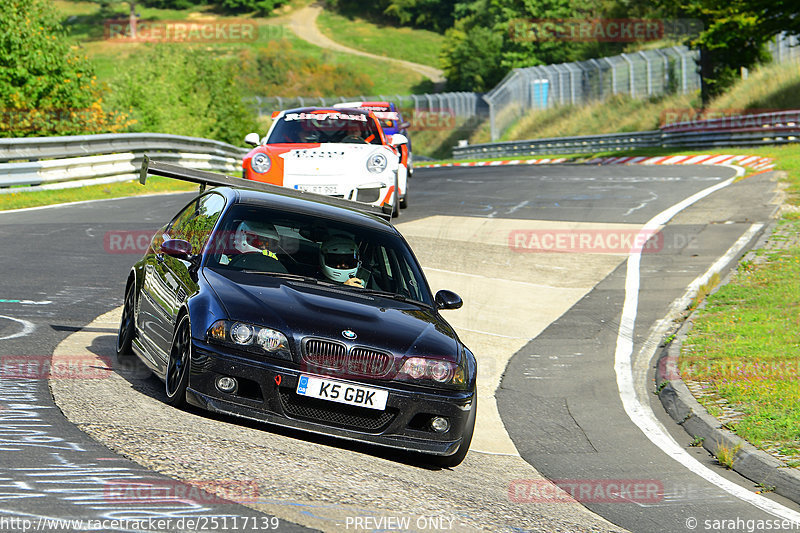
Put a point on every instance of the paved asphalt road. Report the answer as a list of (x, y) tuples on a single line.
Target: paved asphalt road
[(558, 400), (58, 275)]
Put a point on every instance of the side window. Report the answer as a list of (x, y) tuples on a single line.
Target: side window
[(195, 222)]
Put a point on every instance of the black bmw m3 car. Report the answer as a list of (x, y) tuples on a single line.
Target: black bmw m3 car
[(294, 310)]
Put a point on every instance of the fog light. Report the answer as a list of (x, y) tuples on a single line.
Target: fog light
[(439, 424), (226, 384)]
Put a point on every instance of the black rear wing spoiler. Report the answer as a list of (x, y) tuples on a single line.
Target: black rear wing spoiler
[(205, 178)]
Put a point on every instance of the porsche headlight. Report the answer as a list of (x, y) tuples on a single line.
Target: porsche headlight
[(261, 163), (252, 338), (377, 163)]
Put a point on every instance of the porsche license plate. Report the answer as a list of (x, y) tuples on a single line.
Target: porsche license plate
[(341, 392), (319, 189)]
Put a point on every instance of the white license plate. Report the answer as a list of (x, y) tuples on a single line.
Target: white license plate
[(319, 189), (339, 391)]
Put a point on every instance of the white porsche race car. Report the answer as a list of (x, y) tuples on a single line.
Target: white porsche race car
[(337, 152)]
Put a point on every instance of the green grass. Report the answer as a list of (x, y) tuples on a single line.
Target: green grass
[(745, 346), (85, 24), (387, 79), (418, 46), (438, 142), (22, 199), (615, 115)]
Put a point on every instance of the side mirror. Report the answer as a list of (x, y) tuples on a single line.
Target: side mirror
[(448, 300), (398, 139), (252, 139), (405, 125), (177, 248)]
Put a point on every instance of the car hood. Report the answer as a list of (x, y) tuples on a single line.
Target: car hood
[(300, 309)]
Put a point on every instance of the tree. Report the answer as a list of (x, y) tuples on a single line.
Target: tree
[(735, 35), (46, 88), (262, 7), (491, 37), (471, 58)]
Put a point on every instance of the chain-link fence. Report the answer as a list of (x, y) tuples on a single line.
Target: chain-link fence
[(785, 48), (640, 74)]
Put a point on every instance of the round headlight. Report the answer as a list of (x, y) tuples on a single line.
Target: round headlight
[(377, 163), (241, 333), (270, 340), (260, 163), (415, 368), (440, 371)]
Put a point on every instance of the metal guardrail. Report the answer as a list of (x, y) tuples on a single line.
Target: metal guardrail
[(73, 161), (743, 130), (110, 168), (61, 162), (36, 148), (561, 145)]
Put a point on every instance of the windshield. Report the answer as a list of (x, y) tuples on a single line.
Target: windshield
[(325, 127), (263, 241)]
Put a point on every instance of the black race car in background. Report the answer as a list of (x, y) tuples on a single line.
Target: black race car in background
[(299, 310)]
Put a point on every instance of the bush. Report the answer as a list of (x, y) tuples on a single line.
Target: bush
[(183, 91), (46, 88)]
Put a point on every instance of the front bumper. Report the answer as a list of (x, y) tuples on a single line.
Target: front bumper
[(266, 393), (374, 192)]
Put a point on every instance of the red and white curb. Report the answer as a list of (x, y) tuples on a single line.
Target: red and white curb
[(751, 161)]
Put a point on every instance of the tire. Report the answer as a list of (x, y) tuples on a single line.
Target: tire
[(396, 199), (127, 325), (177, 375), (449, 461), (404, 199)]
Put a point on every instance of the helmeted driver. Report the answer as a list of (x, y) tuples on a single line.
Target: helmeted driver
[(340, 261), (256, 237)]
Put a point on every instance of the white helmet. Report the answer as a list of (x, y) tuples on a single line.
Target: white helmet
[(338, 257), (252, 236)]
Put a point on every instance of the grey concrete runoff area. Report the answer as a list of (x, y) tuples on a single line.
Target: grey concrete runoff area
[(562, 442)]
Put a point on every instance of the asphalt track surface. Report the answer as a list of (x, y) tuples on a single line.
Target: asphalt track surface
[(558, 399)]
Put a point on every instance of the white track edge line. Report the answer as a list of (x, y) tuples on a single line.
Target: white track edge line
[(642, 416)]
